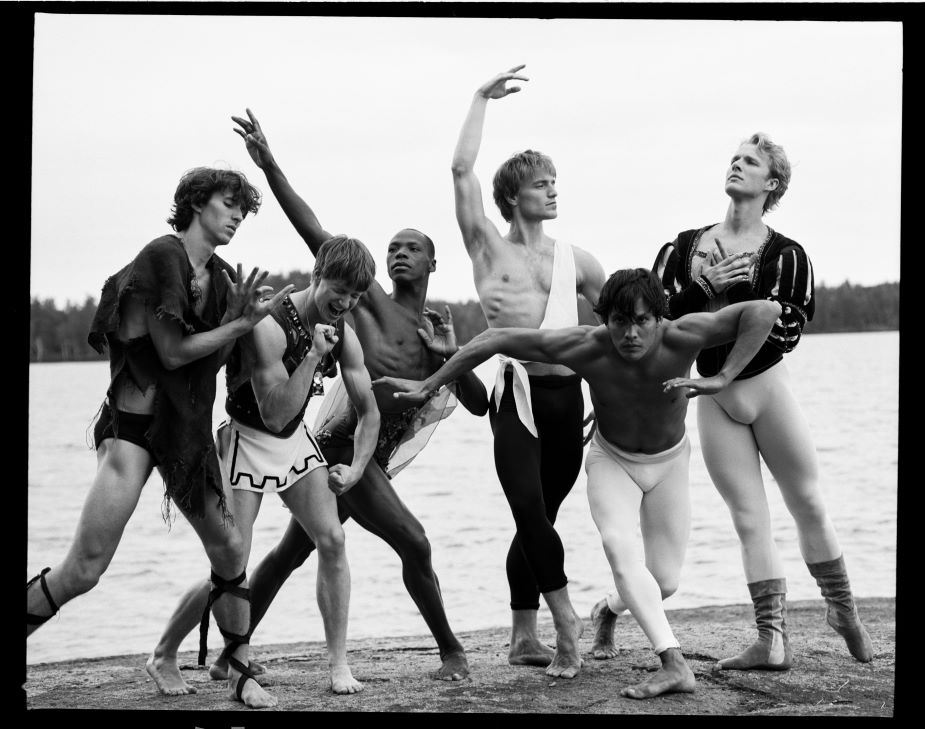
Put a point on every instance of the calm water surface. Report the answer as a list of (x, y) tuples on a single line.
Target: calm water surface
[(847, 383)]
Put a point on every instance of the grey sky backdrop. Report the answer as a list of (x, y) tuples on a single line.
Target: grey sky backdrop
[(639, 116)]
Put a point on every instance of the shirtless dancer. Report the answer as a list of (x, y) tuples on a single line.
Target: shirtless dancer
[(169, 319), (265, 447), (636, 365), (527, 279), (399, 337)]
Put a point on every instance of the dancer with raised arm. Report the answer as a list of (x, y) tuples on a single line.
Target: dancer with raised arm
[(525, 278), (400, 336)]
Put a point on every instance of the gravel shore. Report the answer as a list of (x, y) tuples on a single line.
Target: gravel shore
[(824, 681)]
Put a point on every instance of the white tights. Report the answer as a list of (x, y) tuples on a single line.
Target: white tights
[(626, 491)]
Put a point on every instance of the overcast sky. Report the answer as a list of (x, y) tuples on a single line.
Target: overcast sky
[(640, 118)]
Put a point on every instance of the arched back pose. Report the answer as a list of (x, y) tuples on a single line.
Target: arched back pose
[(637, 464), (757, 417), (169, 319)]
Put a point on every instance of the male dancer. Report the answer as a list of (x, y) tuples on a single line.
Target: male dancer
[(635, 364), (169, 319), (527, 279), (266, 448), (400, 338)]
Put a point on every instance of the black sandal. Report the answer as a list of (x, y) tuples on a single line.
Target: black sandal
[(32, 619), (221, 586)]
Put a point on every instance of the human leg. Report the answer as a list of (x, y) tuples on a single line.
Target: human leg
[(658, 492), (615, 502), (162, 664), (730, 452), (227, 550), (785, 442), (314, 505), (122, 470), (536, 555), (535, 488), (376, 506)]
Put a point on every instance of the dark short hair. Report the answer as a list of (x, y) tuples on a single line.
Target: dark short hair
[(511, 175), (200, 183), (345, 259), (621, 290)]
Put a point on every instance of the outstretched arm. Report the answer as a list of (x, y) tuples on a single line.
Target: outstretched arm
[(554, 346), (301, 216), (341, 477), (748, 323), (248, 303), (470, 214)]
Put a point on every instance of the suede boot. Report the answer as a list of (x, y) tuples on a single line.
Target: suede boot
[(771, 652), (841, 612)]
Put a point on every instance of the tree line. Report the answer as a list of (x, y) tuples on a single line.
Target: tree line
[(57, 335)]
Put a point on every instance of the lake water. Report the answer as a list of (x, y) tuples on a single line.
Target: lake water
[(847, 383)]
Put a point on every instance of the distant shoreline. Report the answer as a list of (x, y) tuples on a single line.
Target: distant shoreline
[(824, 681)]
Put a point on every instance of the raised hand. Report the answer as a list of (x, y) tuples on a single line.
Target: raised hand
[(411, 391), (257, 146), (497, 87), (323, 339), (248, 299), (438, 332)]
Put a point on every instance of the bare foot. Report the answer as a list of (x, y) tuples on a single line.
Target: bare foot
[(675, 676), (769, 653), (529, 651), (603, 620), (567, 660), (166, 674), (455, 667), (253, 694), (343, 682), (218, 671)]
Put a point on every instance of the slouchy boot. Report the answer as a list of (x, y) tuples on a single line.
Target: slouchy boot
[(771, 652), (841, 612)]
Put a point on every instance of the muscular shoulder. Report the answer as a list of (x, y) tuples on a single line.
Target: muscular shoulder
[(586, 265), (269, 339)]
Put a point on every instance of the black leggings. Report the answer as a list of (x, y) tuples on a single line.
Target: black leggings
[(536, 475)]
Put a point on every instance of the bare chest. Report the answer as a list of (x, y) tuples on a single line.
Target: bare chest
[(200, 288), (514, 287), (391, 344)]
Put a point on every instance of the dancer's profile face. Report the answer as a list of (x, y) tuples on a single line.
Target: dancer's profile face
[(220, 217), (748, 173), (536, 198)]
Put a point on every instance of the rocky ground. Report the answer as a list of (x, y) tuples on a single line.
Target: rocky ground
[(824, 681)]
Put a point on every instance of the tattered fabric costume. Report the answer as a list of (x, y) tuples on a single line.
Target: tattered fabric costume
[(180, 434)]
